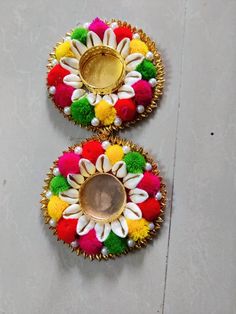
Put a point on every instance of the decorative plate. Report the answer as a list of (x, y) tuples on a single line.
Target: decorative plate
[(104, 198), (105, 75)]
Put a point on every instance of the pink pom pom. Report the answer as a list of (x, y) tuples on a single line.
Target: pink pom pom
[(68, 163), (143, 92), (98, 27), (63, 95), (89, 243), (150, 183)]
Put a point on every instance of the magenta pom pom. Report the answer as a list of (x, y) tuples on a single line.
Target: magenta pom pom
[(150, 183), (143, 92), (63, 95), (68, 163), (98, 27), (89, 243)]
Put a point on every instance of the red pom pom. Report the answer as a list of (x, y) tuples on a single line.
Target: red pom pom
[(98, 27), (63, 95), (89, 243), (150, 183), (66, 229), (150, 209), (92, 150), (56, 75), (68, 163), (122, 32), (143, 92), (126, 109)]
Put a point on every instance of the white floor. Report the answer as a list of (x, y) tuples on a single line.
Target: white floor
[(191, 267)]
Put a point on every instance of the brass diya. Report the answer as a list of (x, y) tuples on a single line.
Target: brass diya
[(102, 197), (102, 69)]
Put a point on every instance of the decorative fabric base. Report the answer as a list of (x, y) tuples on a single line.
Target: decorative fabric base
[(104, 198), (105, 75)]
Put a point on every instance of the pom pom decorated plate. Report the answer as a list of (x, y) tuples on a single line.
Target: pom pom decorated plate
[(104, 198), (105, 75)]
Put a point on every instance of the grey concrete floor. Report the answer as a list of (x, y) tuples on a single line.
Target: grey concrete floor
[(190, 268)]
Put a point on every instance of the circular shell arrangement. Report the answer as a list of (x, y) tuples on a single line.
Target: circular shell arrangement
[(105, 75), (104, 198)]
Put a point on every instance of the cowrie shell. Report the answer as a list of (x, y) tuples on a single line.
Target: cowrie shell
[(84, 225), (86, 167), (77, 94), (132, 77), (132, 180), (70, 196), (77, 48), (73, 80), (102, 231), (72, 212), (126, 91), (133, 60), (103, 164), (123, 47), (109, 38), (120, 227), (70, 64), (138, 196), (132, 211), (93, 40), (75, 180), (111, 99), (119, 169), (93, 99)]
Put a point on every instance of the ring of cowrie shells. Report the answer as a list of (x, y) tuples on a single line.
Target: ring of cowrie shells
[(105, 75), (104, 198)]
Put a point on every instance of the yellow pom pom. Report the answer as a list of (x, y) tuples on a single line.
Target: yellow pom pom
[(138, 229), (56, 207), (63, 50), (115, 153), (105, 112), (137, 45)]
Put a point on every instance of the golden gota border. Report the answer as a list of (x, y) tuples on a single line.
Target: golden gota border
[(157, 223), (158, 89)]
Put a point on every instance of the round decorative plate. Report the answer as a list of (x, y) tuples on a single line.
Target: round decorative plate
[(104, 198), (105, 75)]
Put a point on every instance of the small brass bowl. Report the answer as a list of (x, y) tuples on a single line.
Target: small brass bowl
[(102, 197), (102, 69)]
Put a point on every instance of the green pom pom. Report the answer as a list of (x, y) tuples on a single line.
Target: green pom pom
[(147, 69), (135, 162), (82, 112), (80, 34), (58, 184), (115, 244)]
